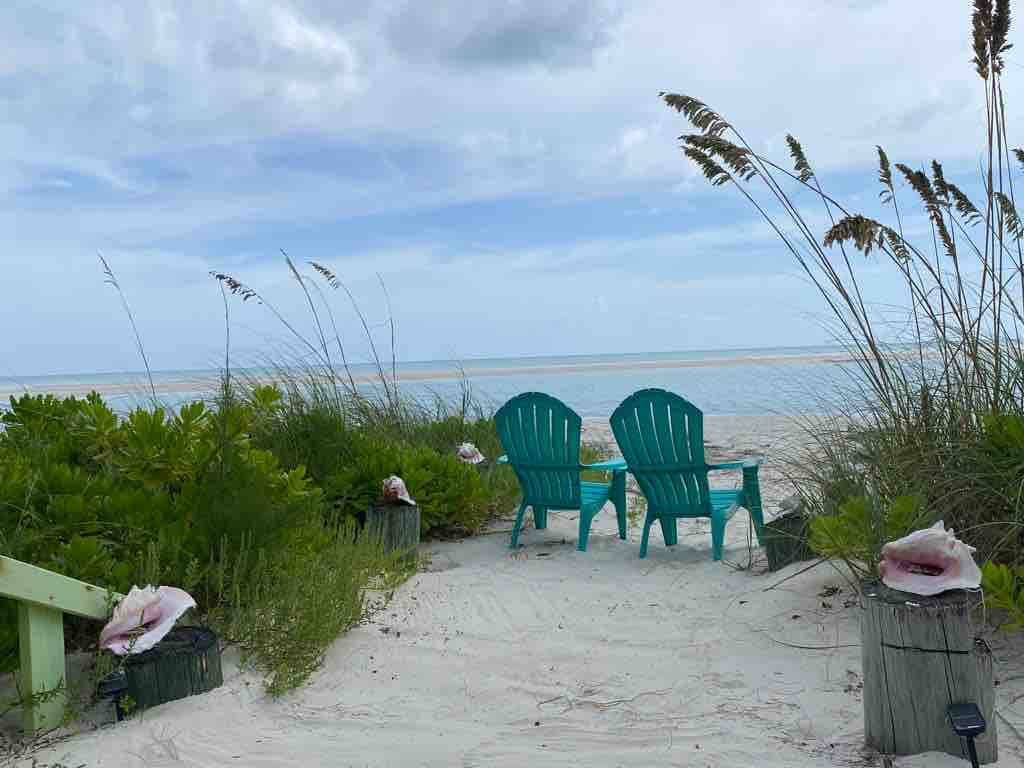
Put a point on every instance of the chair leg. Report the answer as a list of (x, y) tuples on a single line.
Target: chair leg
[(618, 497), (648, 521), (752, 500), (669, 531), (518, 526), (718, 521), (585, 521), (540, 518)]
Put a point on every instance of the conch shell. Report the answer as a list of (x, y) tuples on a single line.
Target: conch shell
[(143, 617), (394, 490), (469, 453), (928, 562)]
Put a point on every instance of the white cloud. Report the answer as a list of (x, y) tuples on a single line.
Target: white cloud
[(152, 130)]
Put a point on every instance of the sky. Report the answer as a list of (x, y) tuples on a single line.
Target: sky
[(505, 166)]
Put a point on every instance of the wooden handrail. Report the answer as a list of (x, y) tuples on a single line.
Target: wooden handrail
[(31, 584), (43, 598)]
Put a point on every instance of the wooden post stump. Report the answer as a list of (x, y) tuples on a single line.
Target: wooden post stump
[(184, 663), (785, 540), (920, 655), (398, 526)]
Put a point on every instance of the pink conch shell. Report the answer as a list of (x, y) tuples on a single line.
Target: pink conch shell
[(469, 453), (394, 490), (143, 617), (928, 562)]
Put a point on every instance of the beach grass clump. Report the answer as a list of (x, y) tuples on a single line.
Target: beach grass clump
[(931, 424), (283, 608)]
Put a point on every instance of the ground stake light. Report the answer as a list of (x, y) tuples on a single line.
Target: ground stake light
[(967, 723)]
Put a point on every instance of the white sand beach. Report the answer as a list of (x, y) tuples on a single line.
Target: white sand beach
[(551, 657)]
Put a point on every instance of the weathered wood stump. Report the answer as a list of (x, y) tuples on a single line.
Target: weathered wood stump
[(785, 538), (397, 525), (184, 663), (920, 655)]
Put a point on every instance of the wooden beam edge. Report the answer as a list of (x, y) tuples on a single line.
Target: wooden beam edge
[(31, 584)]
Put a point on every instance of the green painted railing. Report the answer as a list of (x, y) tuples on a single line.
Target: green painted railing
[(43, 597)]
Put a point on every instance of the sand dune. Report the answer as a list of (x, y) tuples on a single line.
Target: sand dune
[(552, 657)]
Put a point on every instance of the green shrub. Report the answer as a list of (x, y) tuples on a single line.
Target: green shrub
[(149, 498), (1004, 591), (218, 501), (860, 527), (350, 445), (451, 495)]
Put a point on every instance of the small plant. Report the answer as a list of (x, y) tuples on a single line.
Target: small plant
[(856, 533), (1004, 591)]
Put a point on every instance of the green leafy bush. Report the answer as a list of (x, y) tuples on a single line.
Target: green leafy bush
[(1004, 591), (860, 527), (148, 498), (451, 495), (349, 446), (218, 501)]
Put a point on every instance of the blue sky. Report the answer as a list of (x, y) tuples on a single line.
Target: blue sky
[(505, 165)]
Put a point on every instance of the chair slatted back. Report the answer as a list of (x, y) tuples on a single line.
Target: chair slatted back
[(541, 437), (661, 436)]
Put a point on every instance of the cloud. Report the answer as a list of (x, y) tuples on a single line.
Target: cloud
[(520, 141), (555, 34)]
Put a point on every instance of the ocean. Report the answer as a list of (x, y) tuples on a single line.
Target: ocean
[(784, 380)]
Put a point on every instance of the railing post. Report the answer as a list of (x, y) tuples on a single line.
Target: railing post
[(42, 676)]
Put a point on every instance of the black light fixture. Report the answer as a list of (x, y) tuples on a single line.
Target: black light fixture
[(967, 723), (114, 686)]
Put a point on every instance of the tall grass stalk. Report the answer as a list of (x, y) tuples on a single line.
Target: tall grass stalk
[(111, 280), (918, 416)]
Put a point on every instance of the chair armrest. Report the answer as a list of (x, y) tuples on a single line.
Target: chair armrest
[(744, 464), (608, 465)]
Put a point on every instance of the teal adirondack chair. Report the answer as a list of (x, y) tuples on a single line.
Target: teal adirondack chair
[(541, 438), (661, 436)]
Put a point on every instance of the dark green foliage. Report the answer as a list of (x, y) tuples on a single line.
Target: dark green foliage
[(858, 529), (1004, 591), (219, 501), (148, 498), (349, 451)]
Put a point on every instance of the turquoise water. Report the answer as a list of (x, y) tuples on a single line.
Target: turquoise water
[(735, 381)]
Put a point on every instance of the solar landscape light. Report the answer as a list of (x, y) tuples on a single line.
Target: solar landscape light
[(967, 722)]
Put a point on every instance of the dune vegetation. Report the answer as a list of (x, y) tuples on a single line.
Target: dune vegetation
[(931, 426)]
